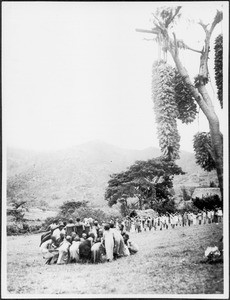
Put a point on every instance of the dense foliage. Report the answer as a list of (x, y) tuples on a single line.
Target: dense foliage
[(165, 108), (80, 209), (149, 181), (219, 67), (209, 202), (172, 100), (203, 151), (186, 105)]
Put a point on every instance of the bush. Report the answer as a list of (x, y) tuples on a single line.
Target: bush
[(12, 230), (209, 202)]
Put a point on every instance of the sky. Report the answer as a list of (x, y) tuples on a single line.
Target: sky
[(78, 71)]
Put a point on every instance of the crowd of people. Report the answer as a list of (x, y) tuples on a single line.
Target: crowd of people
[(90, 241), (167, 220), (87, 240)]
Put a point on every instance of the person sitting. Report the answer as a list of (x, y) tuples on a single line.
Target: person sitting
[(63, 251), (47, 235), (49, 250), (133, 247), (84, 237), (54, 225), (74, 250), (56, 233), (85, 250), (97, 251)]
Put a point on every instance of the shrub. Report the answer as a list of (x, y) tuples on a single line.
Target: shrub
[(208, 202), (12, 230)]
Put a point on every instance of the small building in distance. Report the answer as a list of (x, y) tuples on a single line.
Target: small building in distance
[(206, 192)]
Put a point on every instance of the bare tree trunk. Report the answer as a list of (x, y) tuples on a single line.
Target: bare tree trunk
[(216, 138), (204, 101)]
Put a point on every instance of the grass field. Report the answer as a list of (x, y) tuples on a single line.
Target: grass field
[(168, 262)]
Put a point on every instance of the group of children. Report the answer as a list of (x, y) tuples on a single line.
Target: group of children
[(85, 242)]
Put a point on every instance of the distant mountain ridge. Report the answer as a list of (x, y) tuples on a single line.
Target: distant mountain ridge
[(80, 173)]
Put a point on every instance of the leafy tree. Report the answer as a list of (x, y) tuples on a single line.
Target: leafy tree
[(81, 209), (149, 181), (69, 207), (209, 202), (164, 20)]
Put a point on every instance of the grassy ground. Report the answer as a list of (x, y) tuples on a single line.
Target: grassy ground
[(168, 262)]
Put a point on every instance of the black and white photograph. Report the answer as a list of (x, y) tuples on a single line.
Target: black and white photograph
[(115, 150)]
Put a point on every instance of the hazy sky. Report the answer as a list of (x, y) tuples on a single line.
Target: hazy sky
[(78, 71)]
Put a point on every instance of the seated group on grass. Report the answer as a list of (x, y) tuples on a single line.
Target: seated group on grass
[(85, 242)]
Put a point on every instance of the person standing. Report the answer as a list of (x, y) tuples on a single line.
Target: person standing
[(118, 249), (185, 218), (199, 217), (109, 242), (194, 218), (209, 216), (79, 227), (204, 216), (219, 215)]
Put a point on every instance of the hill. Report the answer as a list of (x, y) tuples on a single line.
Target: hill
[(47, 179)]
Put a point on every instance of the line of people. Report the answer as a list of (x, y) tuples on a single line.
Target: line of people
[(86, 241), (167, 220)]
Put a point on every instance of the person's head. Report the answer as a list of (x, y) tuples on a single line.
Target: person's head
[(64, 223), (73, 234), (71, 221), (55, 221), (77, 238), (92, 235), (126, 236), (62, 235), (78, 219), (100, 232), (107, 227), (68, 238), (61, 226), (84, 236), (111, 224), (95, 223)]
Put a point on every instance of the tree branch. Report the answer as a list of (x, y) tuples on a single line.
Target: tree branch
[(153, 31), (175, 14), (218, 18), (189, 48)]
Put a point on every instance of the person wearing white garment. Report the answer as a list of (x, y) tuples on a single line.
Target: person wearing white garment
[(74, 250), (63, 257), (194, 218), (108, 241)]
